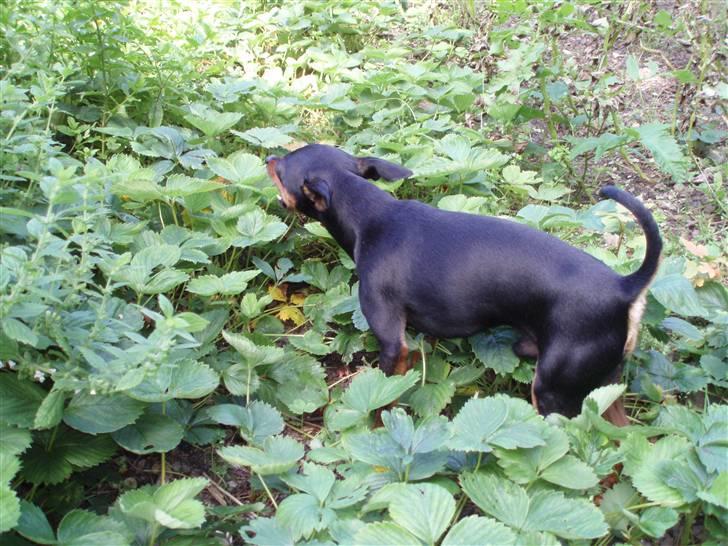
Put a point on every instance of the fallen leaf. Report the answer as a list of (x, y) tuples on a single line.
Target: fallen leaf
[(298, 298), (289, 312), (694, 248), (277, 293)]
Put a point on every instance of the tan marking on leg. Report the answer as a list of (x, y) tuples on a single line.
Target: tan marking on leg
[(636, 310), (634, 316), (402, 365), (534, 400), (615, 413)]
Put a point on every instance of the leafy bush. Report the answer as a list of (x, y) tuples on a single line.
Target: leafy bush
[(154, 300)]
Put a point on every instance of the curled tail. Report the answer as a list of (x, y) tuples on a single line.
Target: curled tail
[(635, 283)]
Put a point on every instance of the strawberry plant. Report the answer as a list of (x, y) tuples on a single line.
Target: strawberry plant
[(183, 362)]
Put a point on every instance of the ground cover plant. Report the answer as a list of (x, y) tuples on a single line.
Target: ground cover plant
[(185, 364)]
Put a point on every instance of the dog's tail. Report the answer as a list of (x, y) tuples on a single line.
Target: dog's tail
[(637, 281)]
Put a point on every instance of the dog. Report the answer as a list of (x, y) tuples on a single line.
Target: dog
[(451, 274)]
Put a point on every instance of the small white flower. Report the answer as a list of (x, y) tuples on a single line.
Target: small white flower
[(11, 364), (92, 392), (39, 376), (52, 370)]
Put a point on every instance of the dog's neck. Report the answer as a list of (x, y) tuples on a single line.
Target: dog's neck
[(355, 202)]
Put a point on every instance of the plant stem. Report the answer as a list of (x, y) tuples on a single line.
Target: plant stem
[(154, 533), (265, 486), (163, 472), (687, 529)]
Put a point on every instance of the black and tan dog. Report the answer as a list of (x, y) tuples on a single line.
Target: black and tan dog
[(451, 274)]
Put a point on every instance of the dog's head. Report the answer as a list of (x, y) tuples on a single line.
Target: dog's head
[(308, 177)]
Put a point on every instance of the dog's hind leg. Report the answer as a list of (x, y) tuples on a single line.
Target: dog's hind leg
[(526, 347), (388, 324)]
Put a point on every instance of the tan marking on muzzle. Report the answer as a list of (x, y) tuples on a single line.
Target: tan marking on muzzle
[(288, 200)]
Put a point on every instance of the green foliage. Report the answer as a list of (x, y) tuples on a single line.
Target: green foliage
[(152, 293)]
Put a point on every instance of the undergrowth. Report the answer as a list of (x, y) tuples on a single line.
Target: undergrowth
[(155, 301)]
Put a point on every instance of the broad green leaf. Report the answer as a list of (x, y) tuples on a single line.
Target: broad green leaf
[(255, 227), (163, 281), (171, 505), (347, 492), (279, 454), (479, 530), (84, 451), (674, 376), (465, 375), (478, 160), (179, 185), (267, 137), (9, 467), (315, 480), (401, 447), (256, 355), (257, 421), (496, 421), (228, 285), (34, 525), (432, 398), (97, 414), (425, 510), (568, 518), (82, 528), (712, 447), (344, 530), (19, 400), (50, 411), (497, 497), (656, 520), (211, 122), (664, 148), (45, 466), (633, 68), (372, 389), (311, 342), (266, 532), (645, 466), (13, 441), (384, 534), (19, 331), (549, 462), (605, 396), (601, 144), (151, 433), (369, 390), (571, 473), (677, 294), (241, 379), (717, 493), (495, 350), (301, 384), (543, 511), (462, 203), (9, 508), (615, 502), (185, 379), (241, 168), (303, 514)]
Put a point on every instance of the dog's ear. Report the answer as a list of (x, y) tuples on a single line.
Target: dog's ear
[(318, 192), (374, 168)]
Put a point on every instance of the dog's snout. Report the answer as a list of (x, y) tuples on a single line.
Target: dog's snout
[(270, 158)]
